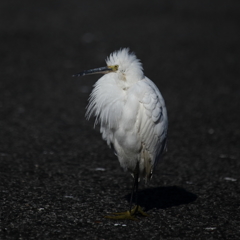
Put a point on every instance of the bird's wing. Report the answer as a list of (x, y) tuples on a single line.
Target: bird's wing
[(153, 122)]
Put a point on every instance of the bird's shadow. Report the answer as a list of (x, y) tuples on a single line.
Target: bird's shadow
[(163, 197)]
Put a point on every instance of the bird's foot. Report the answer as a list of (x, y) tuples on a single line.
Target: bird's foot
[(131, 215)]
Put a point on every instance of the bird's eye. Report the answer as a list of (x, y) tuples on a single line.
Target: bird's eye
[(115, 67)]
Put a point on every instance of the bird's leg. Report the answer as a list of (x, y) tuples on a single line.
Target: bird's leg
[(135, 187), (137, 209)]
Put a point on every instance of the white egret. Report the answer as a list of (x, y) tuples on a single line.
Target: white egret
[(132, 116)]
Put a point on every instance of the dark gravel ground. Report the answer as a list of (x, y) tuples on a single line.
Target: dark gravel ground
[(58, 178)]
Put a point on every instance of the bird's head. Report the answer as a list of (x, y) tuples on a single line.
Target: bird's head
[(123, 63)]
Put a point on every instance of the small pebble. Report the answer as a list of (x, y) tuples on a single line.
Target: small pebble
[(230, 179), (100, 169), (210, 228)]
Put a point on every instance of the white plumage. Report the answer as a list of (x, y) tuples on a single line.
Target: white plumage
[(131, 113)]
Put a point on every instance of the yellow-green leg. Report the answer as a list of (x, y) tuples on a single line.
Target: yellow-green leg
[(133, 212)]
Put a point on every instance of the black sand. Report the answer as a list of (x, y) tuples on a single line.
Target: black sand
[(58, 178)]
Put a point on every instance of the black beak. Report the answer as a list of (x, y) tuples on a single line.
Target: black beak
[(93, 71)]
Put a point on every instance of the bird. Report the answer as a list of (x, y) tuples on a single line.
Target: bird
[(132, 116)]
